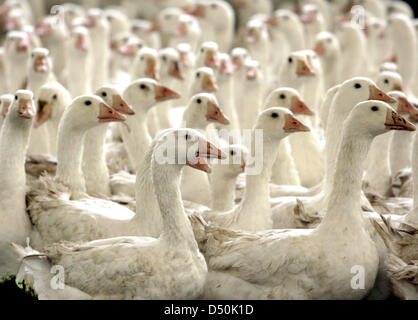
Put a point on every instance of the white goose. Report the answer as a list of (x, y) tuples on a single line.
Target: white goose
[(132, 257), (341, 241), (6, 101)]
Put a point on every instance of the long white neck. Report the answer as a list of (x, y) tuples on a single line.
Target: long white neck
[(100, 57), (255, 212), (400, 151), (251, 105), (344, 207), (177, 231), (94, 165), (222, 191), (16, 67), (78, 72), (69, 155)]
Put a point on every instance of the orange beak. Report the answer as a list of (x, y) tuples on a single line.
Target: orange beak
[(294, 125), (377, 94), (303, 69), (107, 114), (152, 70), (405, 107), (23, 45), (121, 106), (214, 113), (82, 42), (41, 64), (205, 151), (319, 48), (395, 122), (299, 107), (175, 71), (43, 114), (271, 21), (251, 74), (199, 12), (212, 60), (155, 27), (226, 67), (397, 87), (26, 109), (209, 84), (164, 94)]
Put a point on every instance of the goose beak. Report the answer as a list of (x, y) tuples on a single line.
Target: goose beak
[(395, 122), (44, 113), (212, 60), (175, 71), (127, 50), (164, 94), (294, 125), (377, 94), (398, 87), (299, 107), (82, 42), (226, 67), (199, 12), (251, 74), (319, 48), (26, 109), (155, 27), (182, 29), (214, 113), (41, 64), (107, 114), (23, 45), (121, 106), (43, 30), (209, 84), (152, 70), (206, 150), (303, 69), (271, 21), (406, 107), (243, 165)]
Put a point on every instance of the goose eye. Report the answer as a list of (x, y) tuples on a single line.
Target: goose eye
[(143, 86), (16, 97), (232, 153), (290, 60), (213, 6), (374, 108), (187, 137), (33, 56), (386, 81), (202, 50), (87, 103), (198, 75), (282, 96), (164, 58), (142, 58), (199, 100), (54, 97), (274, 115), (104, 94), (357, 86)]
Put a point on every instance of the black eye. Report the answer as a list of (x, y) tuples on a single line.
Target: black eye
[(143, 86), (202, 50), (274, 115), (16, 97), (187, 137), (104, 94), (54, 97), (290, 60), (142, 58), (33, 56), (282, 96), (386, 81), (198, 75), (199, 100), (164, 58), (213, 6), (87, 103), (374, 108), (232, 153), (140, 45), (357, 86)]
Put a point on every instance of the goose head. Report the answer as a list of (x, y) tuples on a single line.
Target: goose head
[(117, 20), (111, 96), (187, 147), (389, 66), (40, 62), (17, 43), (254, 31), (170, 64), (167, 20), (310, 14), (402, 104), (216, 12), (375, 28), (5, 102), (203, 109), (389, 81), (95, 19), (277, 123), (141, 28), (226, 68), (130, 46), (297, 65), (143, 93), (208, 55), (186, 55), (187, 25), (88, 111), (326, 44), (205, 81), (283, 20), (53, 98), (376, 117), (253, 71), (239, 56), (50, 28), (235, 162), (288, 98), (79, 39), (23, 107), (71, 12), (146, 63)]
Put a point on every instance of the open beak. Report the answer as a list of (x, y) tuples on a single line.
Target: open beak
[(214, 113), (209, 84), (395, 122), (405, 107), (44, 113), (26, 109), (121, 106), (377, 94), (82, 42), (294, 125), (303, 69), (212, 60), (164, 94), (41, 64), (319, 48), (152, 70), (299, 107), (175, 71), (206, 150), (107, 114)]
